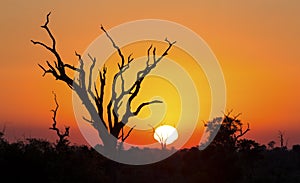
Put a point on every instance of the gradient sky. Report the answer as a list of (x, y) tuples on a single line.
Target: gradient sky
[(256, 43)]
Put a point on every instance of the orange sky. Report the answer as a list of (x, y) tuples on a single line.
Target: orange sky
[(255, 42)]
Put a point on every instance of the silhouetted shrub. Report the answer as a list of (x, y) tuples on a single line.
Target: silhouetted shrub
[(296, 148)]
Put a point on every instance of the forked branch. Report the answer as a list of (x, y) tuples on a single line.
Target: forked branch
[(123, 137), (118, 98), (58, 70), (116, 47)]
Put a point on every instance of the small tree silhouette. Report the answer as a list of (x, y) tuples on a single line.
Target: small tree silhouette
[(296, 148), (271, 144), (231, 130), (62, 141), (110, 129)]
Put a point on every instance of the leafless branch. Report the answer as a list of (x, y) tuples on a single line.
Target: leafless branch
[(129, 59), (145, 104), (236, 116), (45, 26), (242, 133), (71, 67), (100, 96), (93, 59), (122, 137), (109, 117), (87, 120), (42, 44), (148, 55), (59, 70), (116, 47), (48, 71)]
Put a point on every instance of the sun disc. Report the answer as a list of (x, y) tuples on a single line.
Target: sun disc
[(165, 134)]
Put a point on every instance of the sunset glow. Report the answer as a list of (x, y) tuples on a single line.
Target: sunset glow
[(256, 44)]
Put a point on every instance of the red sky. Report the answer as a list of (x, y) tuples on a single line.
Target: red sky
[(256, 43)]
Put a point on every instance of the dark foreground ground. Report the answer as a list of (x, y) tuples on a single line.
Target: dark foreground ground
[(37, 160)]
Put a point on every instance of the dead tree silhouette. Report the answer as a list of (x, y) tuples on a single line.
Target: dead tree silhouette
[(62, 141), (109, 129), (281, 140)]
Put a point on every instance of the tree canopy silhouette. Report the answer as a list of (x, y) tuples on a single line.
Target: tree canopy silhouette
[(231, 130)]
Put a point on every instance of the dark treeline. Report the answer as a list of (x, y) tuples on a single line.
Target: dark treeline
[(226, 159), (40, 161)]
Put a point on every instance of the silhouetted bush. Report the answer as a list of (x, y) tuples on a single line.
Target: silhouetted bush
[(296, 148)]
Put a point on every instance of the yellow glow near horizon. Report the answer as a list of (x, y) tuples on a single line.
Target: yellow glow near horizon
[(154, 86), (178, 68), (258, 53)]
